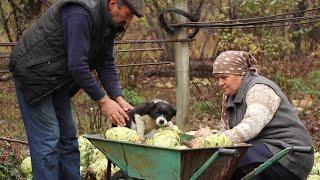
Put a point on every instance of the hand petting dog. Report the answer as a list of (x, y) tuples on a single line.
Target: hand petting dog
[(115, 110)]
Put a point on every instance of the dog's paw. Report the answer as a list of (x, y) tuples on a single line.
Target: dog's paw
[(143, 139)]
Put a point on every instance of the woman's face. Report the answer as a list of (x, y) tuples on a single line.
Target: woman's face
[(229, 83)]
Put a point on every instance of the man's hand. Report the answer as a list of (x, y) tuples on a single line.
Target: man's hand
[(113, 111), (124, 104)]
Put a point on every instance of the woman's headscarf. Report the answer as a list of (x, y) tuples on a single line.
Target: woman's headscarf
[(236, 63)]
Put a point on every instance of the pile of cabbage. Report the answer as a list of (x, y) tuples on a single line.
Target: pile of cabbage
[(168, 137), (93, 163), (163, 137), (315, 172)]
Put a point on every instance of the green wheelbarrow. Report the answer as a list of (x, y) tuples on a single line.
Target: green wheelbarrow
[(140, 161)]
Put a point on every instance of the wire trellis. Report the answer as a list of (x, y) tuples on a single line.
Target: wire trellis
[(279, 20)]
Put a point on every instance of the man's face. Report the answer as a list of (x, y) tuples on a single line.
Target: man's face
[(229, 83), (121, 15)]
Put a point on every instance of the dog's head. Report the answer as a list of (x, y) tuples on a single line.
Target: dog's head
[(161, 111)]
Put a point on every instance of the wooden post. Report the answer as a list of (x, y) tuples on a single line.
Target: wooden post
[(181, 54)]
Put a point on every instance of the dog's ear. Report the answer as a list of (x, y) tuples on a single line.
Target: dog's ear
[(174, 111), (150, 105)]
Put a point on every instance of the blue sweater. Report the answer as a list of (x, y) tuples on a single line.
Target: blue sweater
[(77, 29)]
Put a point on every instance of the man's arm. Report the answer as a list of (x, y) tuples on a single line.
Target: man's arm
[(109, 77), (107, 71), (76, 24)]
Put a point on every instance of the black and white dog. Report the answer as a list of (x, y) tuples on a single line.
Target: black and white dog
[(146, 117), (151, 115)]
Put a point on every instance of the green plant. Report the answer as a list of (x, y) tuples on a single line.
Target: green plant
[(8, 165), (282, 81), (132, 97), (204, 106), (309, 85)]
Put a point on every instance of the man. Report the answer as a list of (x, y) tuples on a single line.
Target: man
[(52, 61)]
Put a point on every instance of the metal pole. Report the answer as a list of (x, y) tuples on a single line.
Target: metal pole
[(181, 53)]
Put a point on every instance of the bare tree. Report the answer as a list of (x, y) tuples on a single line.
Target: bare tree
[(16, 16)]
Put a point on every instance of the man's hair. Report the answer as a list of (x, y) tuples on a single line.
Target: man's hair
[(120, 3), (135, 6)]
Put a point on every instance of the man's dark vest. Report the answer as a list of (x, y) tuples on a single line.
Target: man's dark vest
[(39, 60), (284, 130)]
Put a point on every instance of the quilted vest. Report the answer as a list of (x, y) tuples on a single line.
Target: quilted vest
[(39, 60)]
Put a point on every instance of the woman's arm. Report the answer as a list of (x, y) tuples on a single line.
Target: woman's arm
[(262, 103)]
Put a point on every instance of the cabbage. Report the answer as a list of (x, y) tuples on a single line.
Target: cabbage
[(198, 142), (29, 176), (163, 141), (122, 134), (215, 140), (313, 177), (173, 128), (114, 169), (83, 171), (317, 157), (315, 169), (97, 166), (86, 149), (218, 140), (85, 144), (26, 167), (316, 164), (100, 175), (149, 141), (91, 159), (84, 158), (97, 155), (181, 147), (93, 162), (166, 137)]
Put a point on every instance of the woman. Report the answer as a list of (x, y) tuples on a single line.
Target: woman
[(256, 111)]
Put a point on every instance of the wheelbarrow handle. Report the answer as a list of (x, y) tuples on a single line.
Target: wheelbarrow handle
[(228, 152), (221, 152), (276, 158), (302, 149)]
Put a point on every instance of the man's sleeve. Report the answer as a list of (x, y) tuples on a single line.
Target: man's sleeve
[(76, 25), (107, 71)]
